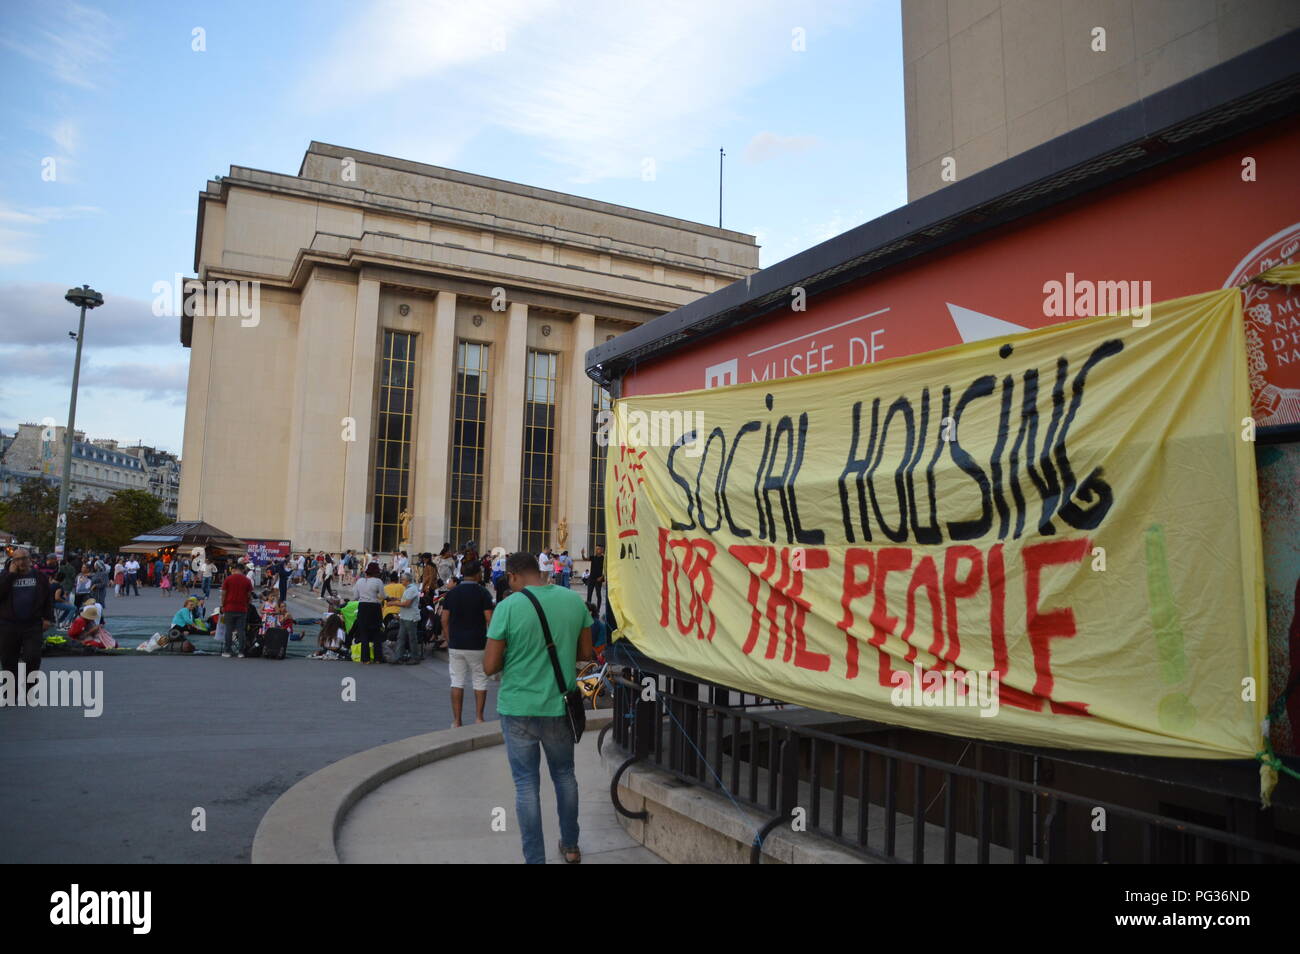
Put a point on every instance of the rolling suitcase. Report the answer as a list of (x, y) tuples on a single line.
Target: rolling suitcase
[(275, 643)]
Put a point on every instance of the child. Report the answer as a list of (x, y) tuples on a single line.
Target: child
[(599, 631), (283, 619), (269, 610), (333, 639), (166, 585)]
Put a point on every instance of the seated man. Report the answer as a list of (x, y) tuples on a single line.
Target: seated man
[(64, 609)]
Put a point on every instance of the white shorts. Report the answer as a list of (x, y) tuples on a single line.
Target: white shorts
[(467, 662)]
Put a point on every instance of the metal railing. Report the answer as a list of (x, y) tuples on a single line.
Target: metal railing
[(900, 806)]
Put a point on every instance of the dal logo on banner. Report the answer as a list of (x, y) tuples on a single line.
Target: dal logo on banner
[(1073, 509)]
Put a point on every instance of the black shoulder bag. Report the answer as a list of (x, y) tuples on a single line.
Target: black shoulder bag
[(574, 705)]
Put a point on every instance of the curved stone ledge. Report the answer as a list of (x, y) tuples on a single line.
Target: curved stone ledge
[(301, 827)]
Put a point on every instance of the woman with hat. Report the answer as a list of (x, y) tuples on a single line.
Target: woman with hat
[(88, 630)]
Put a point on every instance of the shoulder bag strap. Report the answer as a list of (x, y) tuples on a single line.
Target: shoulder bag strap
[(550, 643)]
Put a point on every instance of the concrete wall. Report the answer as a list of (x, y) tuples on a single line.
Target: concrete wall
[(987, 79), (238, 419)]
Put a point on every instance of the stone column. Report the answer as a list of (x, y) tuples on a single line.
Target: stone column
[(501, 506), (574, 465), (432, 451), (357, 502), (190, 505)]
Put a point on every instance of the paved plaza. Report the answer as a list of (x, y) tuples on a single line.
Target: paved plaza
[(230, 736)]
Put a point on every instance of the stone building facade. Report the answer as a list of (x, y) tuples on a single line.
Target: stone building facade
[(412, 342), (99, 467)]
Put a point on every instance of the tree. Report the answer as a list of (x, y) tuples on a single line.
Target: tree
[(95, 525), (138, 512), (31, 513)]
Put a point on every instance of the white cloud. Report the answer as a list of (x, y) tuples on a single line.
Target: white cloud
[(770, 145), (35, 314), (15, 248), (40, 215), (73, 42), (134, 372), (598, 87), (390, 43), (18, 247)]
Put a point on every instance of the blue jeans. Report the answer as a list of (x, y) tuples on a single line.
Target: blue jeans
[(525, 737), (235, 626)]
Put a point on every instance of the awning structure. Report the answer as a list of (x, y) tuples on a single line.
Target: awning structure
[(188, 533)]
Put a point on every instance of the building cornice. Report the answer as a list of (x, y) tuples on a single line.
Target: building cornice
[(353, 197), (475, 276), (518, 188)]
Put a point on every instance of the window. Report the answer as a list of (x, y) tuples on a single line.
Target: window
[(468, 443), (539, 452), (396, 411), (596, 502)]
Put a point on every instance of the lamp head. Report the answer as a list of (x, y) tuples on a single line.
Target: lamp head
[(84, 297)]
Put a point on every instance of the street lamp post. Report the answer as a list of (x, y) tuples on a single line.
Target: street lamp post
[(84, 297)]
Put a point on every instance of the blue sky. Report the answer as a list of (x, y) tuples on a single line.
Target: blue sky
[(565, 95)]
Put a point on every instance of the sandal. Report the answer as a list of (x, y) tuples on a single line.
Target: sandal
[(572, 856)]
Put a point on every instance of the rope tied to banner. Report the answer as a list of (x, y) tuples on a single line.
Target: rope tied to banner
[(1268, 758)]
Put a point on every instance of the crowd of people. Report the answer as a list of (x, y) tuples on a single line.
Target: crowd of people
[(461, 601)]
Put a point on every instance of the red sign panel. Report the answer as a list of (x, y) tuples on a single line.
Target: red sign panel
[(1205, 222)]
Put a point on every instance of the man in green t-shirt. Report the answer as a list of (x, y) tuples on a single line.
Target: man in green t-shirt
[(531, 703)]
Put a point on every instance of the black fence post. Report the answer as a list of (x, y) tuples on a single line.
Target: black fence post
[(645, 726)]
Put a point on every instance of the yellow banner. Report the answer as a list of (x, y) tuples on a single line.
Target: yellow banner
[(1051, 538)]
